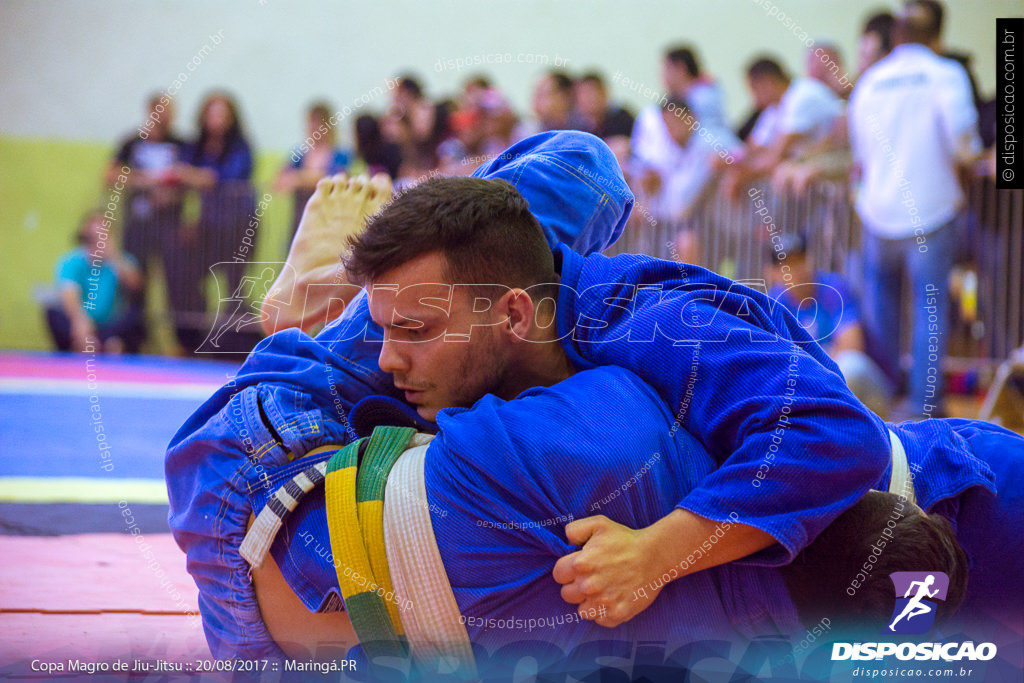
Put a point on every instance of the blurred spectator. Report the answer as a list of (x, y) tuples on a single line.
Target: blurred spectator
[(414, 125), (553, 102), (611, 123), (825, 64), (153, 205), (912, 121), (794, 116), (94, 280), (219, 165), (875, 40), (682, 77), (501, 123), (685, 168), (936, 15), (825, 304), (828, 157), (469, 144), (317, 156), (373, 153), (466, 144)]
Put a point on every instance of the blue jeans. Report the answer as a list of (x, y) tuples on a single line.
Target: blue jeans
[(928, 261)]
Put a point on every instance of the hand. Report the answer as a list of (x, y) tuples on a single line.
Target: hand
[(83, 334), (650, 182), (613, 570)]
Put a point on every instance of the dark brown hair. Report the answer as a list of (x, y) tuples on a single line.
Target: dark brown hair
[(483, 228), (686, 56), (820, 578), (767, 67), (919, 21)]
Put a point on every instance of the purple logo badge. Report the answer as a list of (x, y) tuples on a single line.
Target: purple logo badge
[(917, 596)]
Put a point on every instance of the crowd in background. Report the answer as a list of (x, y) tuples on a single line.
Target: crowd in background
[(675, 152)]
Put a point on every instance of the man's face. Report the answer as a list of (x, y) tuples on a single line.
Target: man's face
[(869, 51), (162, 116), (549, 103), (591, 99), (94, 233), (678, 126), (441, 353), (764, 91)]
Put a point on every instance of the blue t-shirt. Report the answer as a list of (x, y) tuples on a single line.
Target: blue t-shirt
[(97, 282), (824, 308), (340, 160), (234, 164)]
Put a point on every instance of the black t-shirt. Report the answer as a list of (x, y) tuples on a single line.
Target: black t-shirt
[(150, 155), (155, 157)]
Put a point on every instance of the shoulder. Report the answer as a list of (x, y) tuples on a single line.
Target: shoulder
[(587, 411), (71, 262), (810, 89), (241, 145), (834, 280), (949, 72), (128, 143), (877, 71)]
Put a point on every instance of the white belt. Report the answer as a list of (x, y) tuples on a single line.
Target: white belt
[(432, 623), (900, 481)]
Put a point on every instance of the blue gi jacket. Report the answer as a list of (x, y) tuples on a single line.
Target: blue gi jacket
[(795, 447), (504, 477)]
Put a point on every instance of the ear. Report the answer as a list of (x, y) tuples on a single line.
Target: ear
[(517, 305)]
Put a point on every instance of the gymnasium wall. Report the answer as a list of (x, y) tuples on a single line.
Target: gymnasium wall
[(74, 76)]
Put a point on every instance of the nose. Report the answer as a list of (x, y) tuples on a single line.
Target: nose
[(392, 358)]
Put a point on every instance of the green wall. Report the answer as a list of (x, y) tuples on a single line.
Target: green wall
[(45, 187)]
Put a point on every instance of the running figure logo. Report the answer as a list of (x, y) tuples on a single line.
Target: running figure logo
[(915, 610)]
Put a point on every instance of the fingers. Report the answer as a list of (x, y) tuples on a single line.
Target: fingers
[(572, 594), (580, 531), (565, 570)]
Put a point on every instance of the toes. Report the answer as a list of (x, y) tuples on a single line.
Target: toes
[(339, 182), (359, 187), (379, 191), (325, 186)]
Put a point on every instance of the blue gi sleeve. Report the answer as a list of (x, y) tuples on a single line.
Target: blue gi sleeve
[(290, 396), (795, 447)]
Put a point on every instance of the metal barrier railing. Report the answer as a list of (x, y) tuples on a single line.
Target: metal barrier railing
[(183, 237), (731, 236)]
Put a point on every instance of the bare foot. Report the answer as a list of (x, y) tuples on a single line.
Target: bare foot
[(313, 275), (114, 346)]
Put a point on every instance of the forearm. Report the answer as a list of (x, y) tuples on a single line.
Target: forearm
[(684, 543), (127, 274), (851, 338), (197, 178), (71, 303)]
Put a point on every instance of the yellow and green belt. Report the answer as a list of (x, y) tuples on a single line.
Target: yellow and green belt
[(355, 515), (355, 479)]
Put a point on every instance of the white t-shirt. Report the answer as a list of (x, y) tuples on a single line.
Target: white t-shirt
[(651, 143), (808, 107), (912, 117), (684, 177)]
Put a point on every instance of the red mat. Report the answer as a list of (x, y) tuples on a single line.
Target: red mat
[(97, 597)]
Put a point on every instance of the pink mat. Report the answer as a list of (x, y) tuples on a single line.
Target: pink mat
[(97, 597), (147, 369)]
